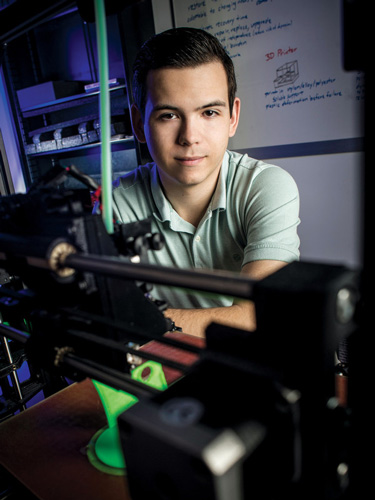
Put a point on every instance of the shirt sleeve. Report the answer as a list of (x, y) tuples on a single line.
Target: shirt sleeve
[(272, 217)]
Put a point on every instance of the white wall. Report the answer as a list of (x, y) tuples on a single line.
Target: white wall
[(330, 192)]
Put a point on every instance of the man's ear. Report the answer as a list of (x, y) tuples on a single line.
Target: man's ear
[(235, 117), (137, 123)]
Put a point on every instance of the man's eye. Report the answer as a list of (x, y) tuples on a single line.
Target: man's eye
[(167, 116), (210, 113)]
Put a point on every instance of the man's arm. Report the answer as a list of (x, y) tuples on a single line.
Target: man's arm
[(239, 315)]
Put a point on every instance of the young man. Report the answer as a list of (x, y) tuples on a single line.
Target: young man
[(216, 209)]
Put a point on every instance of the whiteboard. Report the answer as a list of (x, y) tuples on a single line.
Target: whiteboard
[(288, 60)]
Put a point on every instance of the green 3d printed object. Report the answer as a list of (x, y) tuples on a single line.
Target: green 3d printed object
[(104, 450)]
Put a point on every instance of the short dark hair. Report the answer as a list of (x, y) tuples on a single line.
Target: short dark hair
[(179, 48)]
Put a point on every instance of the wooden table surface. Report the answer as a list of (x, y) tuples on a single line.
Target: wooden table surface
[(44, 447)]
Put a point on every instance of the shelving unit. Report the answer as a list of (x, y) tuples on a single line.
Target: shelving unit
[(76, 132), (66, 130)]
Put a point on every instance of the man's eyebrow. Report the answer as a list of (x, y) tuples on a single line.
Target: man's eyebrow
[(161, 107), (213, 105)]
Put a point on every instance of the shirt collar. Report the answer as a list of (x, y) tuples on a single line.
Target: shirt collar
[(219, 198), (161, 202)]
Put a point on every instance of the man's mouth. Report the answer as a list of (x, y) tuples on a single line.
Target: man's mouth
[(190, 160)]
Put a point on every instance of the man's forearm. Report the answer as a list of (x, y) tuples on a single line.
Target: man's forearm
[(240, 315), (195, 321)]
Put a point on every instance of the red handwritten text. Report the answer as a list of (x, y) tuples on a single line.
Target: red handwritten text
[(280, 53)]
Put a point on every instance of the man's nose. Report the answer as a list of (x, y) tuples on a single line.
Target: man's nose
[(189, 132)]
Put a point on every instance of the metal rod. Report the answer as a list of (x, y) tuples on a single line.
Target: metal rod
[(13, 333), (216, 282), (13, 374), (117, 346), (135, 335), (109, 376)]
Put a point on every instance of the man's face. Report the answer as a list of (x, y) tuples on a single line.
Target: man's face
[(187, 123)]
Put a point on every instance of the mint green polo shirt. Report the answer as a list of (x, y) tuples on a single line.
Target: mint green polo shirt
[(253, 215)]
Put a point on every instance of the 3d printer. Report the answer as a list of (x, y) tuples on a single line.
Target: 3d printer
[(254, 405)]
